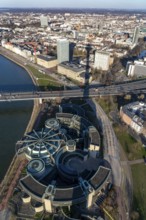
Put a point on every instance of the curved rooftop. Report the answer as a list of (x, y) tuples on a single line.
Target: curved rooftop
[(74, 173), (35, 166), (41, 144)]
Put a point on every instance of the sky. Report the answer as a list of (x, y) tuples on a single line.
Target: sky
[(118, 4)]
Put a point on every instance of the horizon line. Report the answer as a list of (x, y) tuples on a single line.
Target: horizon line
[(93, 8)]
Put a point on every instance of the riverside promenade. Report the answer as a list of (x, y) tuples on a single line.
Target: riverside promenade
[(19, 61), (18, 163)]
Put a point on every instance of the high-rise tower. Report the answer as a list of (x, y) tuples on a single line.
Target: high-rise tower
[(62, 50), (44, 21), (135, 36)]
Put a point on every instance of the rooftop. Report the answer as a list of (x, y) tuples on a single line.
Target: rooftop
[(73, 66)]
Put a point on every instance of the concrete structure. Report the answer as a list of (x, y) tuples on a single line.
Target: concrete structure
[(62, 50), (44, 21), (46, 61), (26, 198), (73, 176), (74, 71), (102, 60)]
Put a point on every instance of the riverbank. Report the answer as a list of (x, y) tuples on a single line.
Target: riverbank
[(13, 173), (19, 61)]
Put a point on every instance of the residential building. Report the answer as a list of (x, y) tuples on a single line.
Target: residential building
[(102, 60)]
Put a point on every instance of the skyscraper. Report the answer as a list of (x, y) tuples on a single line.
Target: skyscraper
[(135, 36), (62, 50), (44, 21)]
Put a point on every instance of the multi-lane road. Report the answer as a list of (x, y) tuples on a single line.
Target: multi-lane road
[(89, 92)]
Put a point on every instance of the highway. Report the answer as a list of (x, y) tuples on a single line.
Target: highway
[(136, 87)]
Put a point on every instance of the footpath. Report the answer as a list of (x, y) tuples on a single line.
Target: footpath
[(18, 162)]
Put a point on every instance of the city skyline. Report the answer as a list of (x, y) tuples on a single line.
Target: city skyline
[(120, 4)]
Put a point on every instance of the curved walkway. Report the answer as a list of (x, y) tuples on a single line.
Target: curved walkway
[(121, 171), (132, 162)]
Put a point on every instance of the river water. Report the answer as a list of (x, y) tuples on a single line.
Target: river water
[(14, 116)]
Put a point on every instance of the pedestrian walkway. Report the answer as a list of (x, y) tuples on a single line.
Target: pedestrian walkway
[(136, 161)]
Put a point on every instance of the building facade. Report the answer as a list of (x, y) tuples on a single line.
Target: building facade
[(46, 61), (74, 71), (102, 60), (62, 50), (44, 21)]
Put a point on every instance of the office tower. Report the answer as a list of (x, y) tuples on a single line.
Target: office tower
[(44, 21), (135, 36), (102, 60), (71, 51), (62, 50)]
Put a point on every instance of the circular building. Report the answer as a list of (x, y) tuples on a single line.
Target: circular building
[(52, 123), (41, 144), (77, 174), (36, 167)]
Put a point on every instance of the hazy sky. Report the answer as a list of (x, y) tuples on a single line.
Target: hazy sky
[(126, 4)]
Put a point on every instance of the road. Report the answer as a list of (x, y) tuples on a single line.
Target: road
[(112, 150), (120, 169), (23, 62), (129, 88)]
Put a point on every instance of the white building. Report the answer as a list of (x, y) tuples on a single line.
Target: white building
[(102, 60), (44, 21), (137, 70), (62, 50)]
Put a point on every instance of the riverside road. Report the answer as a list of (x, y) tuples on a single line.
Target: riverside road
[(135, 87)]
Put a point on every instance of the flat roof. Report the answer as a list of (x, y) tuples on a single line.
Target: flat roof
[(68, 194), (100, 177), (33, 186), (46, 58), (72, 66)]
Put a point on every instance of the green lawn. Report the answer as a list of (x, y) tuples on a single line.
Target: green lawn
[(133, 149), (49, 84), (139, 183), (44, 81), (107, 103)]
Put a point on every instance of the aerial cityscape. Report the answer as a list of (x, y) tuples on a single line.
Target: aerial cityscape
[(73, 110)]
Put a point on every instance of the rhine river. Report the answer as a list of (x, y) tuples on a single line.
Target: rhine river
[(14, 116)]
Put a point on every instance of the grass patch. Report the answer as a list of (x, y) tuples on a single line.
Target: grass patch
[(44, 81), (139, 183), (49, 84), (107, 103), (38, 74), (132, 148)]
